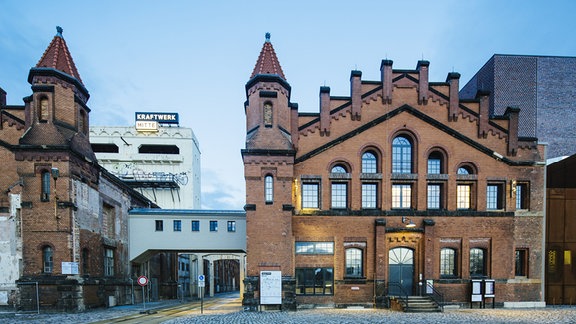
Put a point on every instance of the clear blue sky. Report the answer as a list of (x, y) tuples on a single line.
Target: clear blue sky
[(195, 57)]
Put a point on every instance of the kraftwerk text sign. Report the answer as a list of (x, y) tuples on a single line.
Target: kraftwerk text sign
[(149, 121)]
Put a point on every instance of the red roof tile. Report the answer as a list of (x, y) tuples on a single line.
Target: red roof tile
[(57, 56), (267, 61)]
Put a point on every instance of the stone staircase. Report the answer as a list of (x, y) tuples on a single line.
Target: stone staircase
[(421, 304)]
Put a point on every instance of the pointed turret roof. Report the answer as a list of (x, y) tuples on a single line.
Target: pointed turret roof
[(57, 56), (267, 62)]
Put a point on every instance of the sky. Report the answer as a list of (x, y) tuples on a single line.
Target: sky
[(195, 57)]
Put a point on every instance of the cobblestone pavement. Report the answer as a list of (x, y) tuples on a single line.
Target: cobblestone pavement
[(325, 316), (231, 315)]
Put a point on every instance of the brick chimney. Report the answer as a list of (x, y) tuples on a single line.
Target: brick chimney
[(324, 111), (386, 76), (356, 94), (422, 68), (454, 80), (484, 114), (512, 113)]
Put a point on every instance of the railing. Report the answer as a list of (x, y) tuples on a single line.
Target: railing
[(403, 296), (437, 296)]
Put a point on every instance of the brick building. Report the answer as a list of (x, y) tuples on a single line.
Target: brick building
[(63, 218), (542, 87), (560, 229), (398, 188)]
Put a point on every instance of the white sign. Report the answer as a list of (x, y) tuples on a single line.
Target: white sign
[(271, 287), (70, 268), (146, 126)]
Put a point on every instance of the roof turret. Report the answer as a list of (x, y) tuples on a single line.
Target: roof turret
[(267, 62), (57, 56)]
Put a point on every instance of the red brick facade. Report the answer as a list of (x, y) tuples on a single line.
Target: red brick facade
[(410, 126), (73, 216)]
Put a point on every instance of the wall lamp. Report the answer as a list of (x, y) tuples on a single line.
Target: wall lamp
[(409, 223)]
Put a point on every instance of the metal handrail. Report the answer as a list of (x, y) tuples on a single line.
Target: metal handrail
[(403, 297), (437, 296)]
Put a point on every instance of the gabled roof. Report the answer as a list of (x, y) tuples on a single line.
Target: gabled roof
[(57, 56), (267, 62)]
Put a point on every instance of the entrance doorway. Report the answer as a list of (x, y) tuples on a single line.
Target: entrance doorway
[(401, 271)]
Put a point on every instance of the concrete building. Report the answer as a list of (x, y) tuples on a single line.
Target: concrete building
[(211, 243), (400, 188), (162, 162), (542, 87), (63, 218)]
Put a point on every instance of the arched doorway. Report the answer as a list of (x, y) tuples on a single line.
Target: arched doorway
[(401, 271)]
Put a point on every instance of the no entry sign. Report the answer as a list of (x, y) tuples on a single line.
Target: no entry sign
[(142, 281)]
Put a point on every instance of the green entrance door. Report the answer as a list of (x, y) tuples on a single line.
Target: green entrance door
[(401, 271)]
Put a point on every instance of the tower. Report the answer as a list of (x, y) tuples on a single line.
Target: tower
[(268, 171)]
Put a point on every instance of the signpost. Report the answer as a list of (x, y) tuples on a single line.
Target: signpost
[(201, 285), (143, 281)]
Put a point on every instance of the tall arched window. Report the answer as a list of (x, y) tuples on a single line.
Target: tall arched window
[(47, 259), (369, 163), (45, 195), (269, 189), (401, 155), (339, 187), (477, 263), (448, 263), (354, 262)]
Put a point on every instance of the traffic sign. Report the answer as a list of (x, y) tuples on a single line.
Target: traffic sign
[(201, 281), (142, 281)]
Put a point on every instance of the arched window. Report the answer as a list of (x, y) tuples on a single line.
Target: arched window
[(45, 195), (477, 262), (369, 163), (338, 169), (354, 262), (47, 259), (465, 169), (465, 187), (339, 187), (448, 263), (43, 115), (401, 155), (269, 189)]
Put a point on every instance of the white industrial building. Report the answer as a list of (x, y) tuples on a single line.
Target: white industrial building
[(161, 162)]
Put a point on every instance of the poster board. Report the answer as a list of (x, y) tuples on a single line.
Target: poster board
[(70, 268), (489, 288), (270, 287), (476, 291)]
